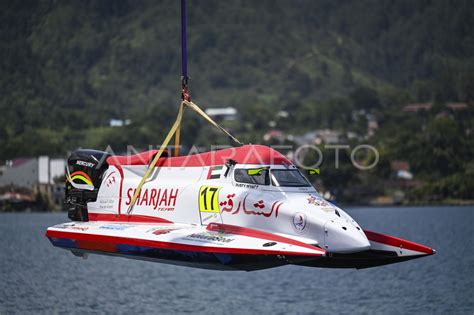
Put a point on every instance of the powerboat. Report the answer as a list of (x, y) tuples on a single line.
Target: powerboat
[(240, 208)]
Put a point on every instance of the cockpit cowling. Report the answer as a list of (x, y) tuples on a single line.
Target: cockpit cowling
[(302, 213), (325, 224)]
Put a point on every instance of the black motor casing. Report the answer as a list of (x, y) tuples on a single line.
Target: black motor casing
[(93, 163)]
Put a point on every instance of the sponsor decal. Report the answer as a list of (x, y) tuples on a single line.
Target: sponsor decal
[(79, 228), (71, 226), (246, 186), (160, 199), (210, 237), (115, 227), (106, 203), (161, 230), (269, 244), (320, 202), (210, 217), (81, 176), (215, 172), (209, 199), (258, 208), (84, 163), (61, 226), (111, 179), (317, 201), (299, 222)]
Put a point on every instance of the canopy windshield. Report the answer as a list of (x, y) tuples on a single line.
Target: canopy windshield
[(279, 177), (288, 178)]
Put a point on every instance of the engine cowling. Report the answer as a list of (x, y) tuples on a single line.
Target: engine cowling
[(84, 172)]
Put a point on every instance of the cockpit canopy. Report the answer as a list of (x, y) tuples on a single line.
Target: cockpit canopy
[(275, 177)]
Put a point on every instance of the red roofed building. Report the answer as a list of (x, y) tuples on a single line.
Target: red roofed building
[(397, 165), (456, 106), (401, 169), (416, 107)]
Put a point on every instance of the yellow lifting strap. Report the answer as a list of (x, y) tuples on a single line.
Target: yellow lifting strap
[(177, 136), (198, 110), (175, 130)]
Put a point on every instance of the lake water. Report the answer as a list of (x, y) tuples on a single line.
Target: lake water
[(38, 278)]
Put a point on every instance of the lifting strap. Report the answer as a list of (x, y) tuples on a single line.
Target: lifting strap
[(186, 102), (177, 136), (174, 131), (198, 110), (184, 73)]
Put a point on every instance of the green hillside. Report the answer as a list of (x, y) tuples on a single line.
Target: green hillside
[(68, 67)]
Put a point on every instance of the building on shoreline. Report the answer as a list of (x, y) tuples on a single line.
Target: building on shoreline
[(32, 182)]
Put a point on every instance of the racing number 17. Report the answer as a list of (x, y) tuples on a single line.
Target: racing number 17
[(209, 199)]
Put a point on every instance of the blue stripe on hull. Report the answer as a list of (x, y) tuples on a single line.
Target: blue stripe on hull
[(189, 258)]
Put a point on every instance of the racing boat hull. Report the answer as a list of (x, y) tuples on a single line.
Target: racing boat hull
[(385, 250), (221, 247), (216, 246)]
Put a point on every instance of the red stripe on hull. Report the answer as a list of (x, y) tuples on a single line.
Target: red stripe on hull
[(119, 168), (126, 218), (238, 230), (397, 242), (114, 240)]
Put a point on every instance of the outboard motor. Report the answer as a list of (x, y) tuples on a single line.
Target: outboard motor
[(84, 172)]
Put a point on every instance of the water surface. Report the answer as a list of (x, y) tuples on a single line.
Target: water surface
[(38, 278)]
